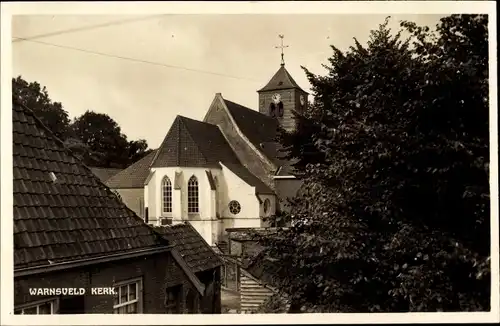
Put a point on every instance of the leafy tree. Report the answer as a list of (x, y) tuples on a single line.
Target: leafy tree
[(102, 135), (102, 143), (36, 97), (137, 149), (393, 214)]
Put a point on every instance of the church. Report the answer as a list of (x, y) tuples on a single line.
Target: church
[(224, 172)]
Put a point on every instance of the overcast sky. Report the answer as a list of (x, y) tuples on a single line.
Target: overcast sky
[(144, 98)]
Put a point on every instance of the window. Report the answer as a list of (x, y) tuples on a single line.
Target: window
[(47, 307), (127, 297), (267, 206), (193, 199), (172, 302), (272, 110), (280, 109), (234, 207), (167, 195)]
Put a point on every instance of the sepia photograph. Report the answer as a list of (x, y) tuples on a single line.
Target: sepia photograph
[(254, 162)]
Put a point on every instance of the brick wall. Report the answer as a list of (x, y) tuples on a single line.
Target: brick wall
[(134, 199), (245, 153), (158, 272)]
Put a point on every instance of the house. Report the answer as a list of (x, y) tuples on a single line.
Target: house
[(223, 172), (79, 249)]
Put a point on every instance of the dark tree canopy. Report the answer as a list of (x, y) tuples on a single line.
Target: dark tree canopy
[(36, 97), (93, 137), (108, 147), (394, 210)]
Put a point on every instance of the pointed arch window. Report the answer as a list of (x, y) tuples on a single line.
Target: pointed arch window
[(193, 196), (166, 187)]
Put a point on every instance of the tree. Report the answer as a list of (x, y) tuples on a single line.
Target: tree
[(137, 149), (108, 147), (36, 97), (394, 215)]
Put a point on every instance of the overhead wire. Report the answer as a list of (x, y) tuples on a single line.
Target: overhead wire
[(85, 28), (134, 59)]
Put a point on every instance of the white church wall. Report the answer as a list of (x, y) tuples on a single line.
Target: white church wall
[(150, 199), (179, 204), (234, 188)]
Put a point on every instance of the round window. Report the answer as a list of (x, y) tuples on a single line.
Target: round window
[(267, 206), (234, 207)]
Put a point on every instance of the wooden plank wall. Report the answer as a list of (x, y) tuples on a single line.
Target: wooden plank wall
[(252, 294)]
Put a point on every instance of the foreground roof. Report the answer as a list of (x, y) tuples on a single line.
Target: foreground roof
[(133, 176), (62, 211), (197, 253)]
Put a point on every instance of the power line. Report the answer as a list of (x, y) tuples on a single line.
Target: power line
[(134, 59), (85, 28)]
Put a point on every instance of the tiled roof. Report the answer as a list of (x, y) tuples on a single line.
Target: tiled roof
[(104, 173), (192, 143), (198, 254), (260, 129), (62, 211), (281, 80), (133, 176)]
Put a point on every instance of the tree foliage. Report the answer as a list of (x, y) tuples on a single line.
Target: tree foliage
[(394, 212), (108, 147), (36, 97), (93, 137)]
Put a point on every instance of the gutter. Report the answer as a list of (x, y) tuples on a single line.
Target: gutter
[(88, 261)]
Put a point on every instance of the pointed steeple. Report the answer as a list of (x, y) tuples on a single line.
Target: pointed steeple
[(281, 80)]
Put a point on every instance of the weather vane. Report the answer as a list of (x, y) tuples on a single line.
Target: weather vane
[(281, 36)]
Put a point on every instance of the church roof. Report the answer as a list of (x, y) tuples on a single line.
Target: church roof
[(104, 173), (192, 143), (62, 211), (260, 129), (134, 175), (281, 80)]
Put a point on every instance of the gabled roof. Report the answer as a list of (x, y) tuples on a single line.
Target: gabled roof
[(197, 254), (192, 143), (260, 129), (62, 211), (281, 80), (104, 173), (133, 176)]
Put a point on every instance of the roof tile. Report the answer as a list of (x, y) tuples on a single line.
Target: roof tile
[(70, 217)]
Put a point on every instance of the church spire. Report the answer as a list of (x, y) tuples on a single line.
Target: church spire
[(281, 36)]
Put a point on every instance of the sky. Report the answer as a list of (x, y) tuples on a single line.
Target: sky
[(179, 61)]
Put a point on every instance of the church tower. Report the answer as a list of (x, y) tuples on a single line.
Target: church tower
[(282, 95)]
